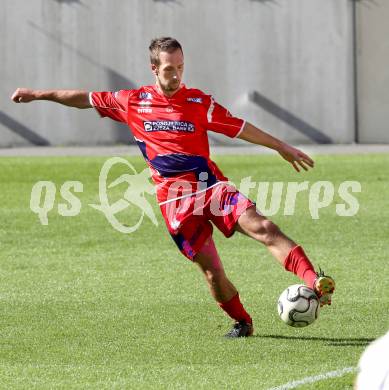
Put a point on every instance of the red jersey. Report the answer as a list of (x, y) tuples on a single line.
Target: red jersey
[(171, 132)]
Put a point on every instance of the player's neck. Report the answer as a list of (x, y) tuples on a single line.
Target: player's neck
[(167, 93)]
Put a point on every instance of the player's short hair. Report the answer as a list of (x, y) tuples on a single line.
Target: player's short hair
[(166, 44)]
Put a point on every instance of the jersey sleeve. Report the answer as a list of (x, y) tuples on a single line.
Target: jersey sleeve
[(111, 104), (220, 120)]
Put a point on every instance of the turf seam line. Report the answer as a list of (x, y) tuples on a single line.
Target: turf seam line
[(314, 379)]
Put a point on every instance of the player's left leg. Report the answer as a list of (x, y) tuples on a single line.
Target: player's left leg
[(286, 251), (223, 291)]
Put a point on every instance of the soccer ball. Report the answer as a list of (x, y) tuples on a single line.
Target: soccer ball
[(298, 306)]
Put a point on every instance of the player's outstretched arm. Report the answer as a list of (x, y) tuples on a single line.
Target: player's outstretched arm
[(71, 98), (296, 157)]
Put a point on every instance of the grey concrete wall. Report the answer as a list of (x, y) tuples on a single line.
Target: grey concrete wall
[(283, 65), (373, 70)]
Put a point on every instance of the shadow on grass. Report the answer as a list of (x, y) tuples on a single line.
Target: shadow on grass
[(332, 341)]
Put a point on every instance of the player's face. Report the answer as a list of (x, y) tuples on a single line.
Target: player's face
[(169, 72)]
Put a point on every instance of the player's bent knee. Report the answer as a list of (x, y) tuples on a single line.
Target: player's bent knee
[(266, 231)]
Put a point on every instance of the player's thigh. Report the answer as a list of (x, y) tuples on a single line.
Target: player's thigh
[(225, 207), (208, 258), (188, 231)]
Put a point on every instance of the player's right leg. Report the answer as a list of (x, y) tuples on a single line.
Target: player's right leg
[(223, 291), (286, 251)]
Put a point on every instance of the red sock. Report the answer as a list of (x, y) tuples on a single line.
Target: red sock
[(298, 263), (235, 309)]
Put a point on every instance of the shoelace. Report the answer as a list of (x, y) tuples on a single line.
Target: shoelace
[(320, 273)]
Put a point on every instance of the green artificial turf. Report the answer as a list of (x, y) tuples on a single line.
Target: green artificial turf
[(84, 306)]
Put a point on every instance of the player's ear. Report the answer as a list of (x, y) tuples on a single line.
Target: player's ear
[(154, 69)]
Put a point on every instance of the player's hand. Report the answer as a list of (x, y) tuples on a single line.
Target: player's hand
[(23, 95), (296, 157)]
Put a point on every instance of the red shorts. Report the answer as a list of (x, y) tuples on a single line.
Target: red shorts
[(189, 219)]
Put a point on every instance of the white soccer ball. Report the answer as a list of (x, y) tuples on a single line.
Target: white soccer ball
[(298, 306)]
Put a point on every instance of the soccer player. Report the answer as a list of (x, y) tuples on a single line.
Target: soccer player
[(169, 123), (373, 366)]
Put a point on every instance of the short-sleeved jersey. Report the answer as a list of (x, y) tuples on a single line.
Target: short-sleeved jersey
[(171, 132)]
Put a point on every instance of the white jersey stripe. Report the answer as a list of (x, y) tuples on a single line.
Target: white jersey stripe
[(210, 110), (192, 194), (91, 99), (241, 129)]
